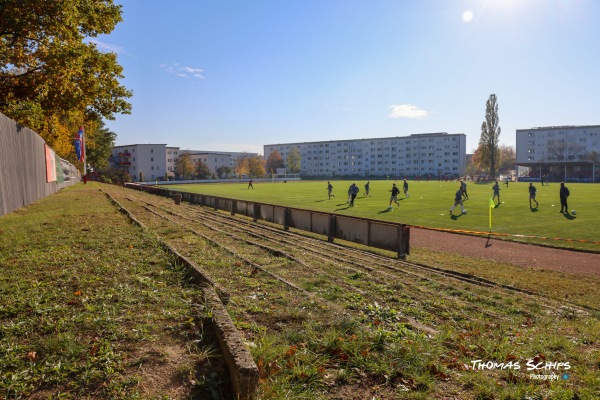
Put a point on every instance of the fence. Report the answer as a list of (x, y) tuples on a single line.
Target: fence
[(373, 233), (29, 169)]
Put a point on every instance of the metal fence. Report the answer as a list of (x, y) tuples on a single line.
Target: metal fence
[(29, 169), (382, 235)]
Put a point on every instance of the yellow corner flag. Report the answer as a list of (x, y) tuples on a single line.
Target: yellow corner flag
[(492, 206)]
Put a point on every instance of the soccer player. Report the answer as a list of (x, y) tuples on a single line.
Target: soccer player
[(458, 200), (532, 190), (463, 185), (250, 184), (405, 187), (496, 189), (564, 193), (394, 196), (353, 192), (330, 189), (368, 189)]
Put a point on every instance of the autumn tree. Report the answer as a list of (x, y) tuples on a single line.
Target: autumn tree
[(507, 158), (274, 161), (294, 160), (184, 167), (256, 166), (241, 165), (52, 78), (490, 132)]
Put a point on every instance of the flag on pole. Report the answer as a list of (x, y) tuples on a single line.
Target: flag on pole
[(80, 145), (492, 206)]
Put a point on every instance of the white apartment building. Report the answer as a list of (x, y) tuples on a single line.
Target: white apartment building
[(148, 159), (432, 154), (212, 159), (559, 153), (158, 161)]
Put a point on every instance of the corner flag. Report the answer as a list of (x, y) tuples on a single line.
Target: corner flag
[(492, 206)]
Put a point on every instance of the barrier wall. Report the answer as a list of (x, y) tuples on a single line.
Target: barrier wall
[(382, 235), (29, 170)]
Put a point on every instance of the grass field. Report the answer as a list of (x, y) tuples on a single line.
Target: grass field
[(429, 203), (92, 308)]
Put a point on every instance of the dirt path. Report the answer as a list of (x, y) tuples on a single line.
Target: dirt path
[(524, 255)]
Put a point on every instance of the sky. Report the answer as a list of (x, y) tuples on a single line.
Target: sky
[(234, 75)]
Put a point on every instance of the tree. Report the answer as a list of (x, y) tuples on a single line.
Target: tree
[(274, 161), (490, 132), (241, 166), (202, 170), (256, 166), (294, 160), (474, 164), (99, 144), (507, 158), (50, 79), (223, 171), (184, 167)]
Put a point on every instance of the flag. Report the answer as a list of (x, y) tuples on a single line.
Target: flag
[(492, 206), (80, 145)]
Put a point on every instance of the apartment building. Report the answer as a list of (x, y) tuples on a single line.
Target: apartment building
[(212, 159), (432, 154), (146, 162), (560, 153), (158, 161)]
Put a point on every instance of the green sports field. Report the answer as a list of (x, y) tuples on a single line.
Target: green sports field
[(429, 204)]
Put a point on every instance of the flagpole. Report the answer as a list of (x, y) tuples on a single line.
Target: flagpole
[(84, 157)]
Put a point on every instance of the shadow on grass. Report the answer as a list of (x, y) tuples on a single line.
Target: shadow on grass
[(534, 209), (342, 208), (569, 216), (385, 211)]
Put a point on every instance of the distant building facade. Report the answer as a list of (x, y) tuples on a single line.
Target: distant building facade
[(432, 154), (559, 153), (148, 159), (159, 161)]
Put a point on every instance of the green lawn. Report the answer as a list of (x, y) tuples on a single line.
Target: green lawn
[(429, 203)]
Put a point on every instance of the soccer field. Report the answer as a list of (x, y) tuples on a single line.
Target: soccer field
[(428, 205)]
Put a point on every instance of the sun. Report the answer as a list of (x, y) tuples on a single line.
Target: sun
[(467, 16)]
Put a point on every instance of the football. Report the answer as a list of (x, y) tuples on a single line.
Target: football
[(573, 212), (464, 212)]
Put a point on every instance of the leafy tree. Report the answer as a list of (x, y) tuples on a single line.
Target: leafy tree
[(99, 144), (274, 161), (256, 166), (50, 79), (184, 167), (474, 164), (507, 158), (223, 171), (490, 132), (294, 160), (202, 170), (241, 165)]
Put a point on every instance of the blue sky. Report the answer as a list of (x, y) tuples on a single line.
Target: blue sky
[(236, 75)]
